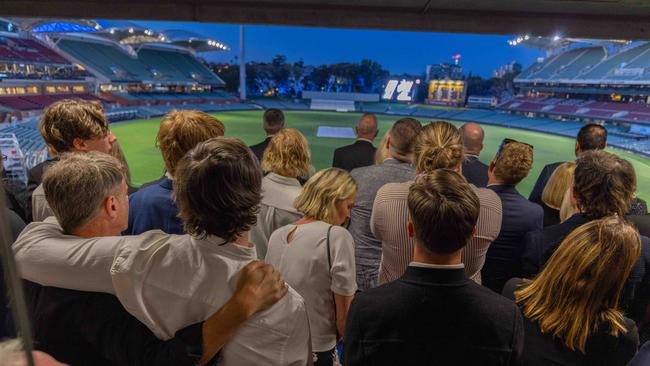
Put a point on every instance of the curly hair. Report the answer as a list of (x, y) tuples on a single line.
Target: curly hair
[(603, 184), (438, 146), (513, 163), (218, 188), (181, 130), (287, 154)]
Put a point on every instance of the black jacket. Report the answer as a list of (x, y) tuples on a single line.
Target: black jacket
[(357, 155), (89, 328), (258, 149), (503, 258), (475, 171), (544, 175), (433, 317), (541, 244)]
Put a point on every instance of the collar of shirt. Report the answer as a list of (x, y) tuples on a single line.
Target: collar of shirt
[(169, 176), (362, 139), (216, 244), (437, 266), (283, 180), (471, 155)]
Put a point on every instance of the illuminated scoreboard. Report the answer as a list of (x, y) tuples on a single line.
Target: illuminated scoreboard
[(446, 92), (401, 90)]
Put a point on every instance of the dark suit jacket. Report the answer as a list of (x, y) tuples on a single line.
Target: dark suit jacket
[(642, 223), (432, 317), (258, 149), (503, 258), (541, 244), (89, 328), (357, 155), (475, 171), (536, 194), (153, 207)]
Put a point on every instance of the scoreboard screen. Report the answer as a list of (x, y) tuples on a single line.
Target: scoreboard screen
[(401, 90), (446, 92)]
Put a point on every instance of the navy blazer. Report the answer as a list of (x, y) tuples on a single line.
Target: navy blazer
[(153, 207), (357, 155), (475, 171), (544, 176), (258, 149), (541, 244), (503, 258), (433, 317)]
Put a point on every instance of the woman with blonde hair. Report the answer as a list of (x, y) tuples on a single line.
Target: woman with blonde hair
[(571, 309), (382, 151), (315, 256), (285, 159), (554, 192)]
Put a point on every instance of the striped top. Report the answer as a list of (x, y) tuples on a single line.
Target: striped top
[(388, 224)]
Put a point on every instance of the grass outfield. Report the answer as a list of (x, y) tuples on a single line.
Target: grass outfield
[(137, 138)]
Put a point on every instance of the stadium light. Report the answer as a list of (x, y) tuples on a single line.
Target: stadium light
[(526, 37), (556, 38)]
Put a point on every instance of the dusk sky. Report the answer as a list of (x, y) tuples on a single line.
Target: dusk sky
[(398, 52)]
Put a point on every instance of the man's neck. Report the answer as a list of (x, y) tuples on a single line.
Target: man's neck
[(492, 181), (406, 159), (422, 255), (94, 229), (473, 153)]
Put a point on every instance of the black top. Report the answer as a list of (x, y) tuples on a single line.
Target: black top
[(503, 258), (601, 349), (541, 244), (475, 171), (432, 317), (642, 223), (258, 149), (551, 215), (357, 155), (89, 328), (544, 175)]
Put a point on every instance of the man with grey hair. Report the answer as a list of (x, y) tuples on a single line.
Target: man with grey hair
[(88, 195), (474, 170), (171, 281), (396, 168), (362, 152)]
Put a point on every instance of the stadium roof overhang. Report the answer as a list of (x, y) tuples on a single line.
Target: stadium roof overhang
[(622, 19), (128, 33), (193, 41), (56, 25)]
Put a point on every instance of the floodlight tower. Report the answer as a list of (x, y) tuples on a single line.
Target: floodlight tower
[(242, 65)]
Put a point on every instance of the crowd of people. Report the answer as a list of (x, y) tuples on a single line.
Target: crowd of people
[(412, 252)]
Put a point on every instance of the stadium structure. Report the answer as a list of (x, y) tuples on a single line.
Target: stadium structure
[(142, 73)]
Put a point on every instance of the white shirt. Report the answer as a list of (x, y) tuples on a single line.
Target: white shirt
[(276, 209), (303, 263), (168, 282)]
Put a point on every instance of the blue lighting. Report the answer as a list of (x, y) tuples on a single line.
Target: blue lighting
[(58, 27)]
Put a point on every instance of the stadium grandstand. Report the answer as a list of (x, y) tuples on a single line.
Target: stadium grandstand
[(133, 71), (137, 72), (588, 81)]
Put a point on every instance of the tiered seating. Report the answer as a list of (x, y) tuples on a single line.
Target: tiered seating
[(109, 60), (28, 50), (179, 64), (587, 59), (32, 102), (601, 70), (558, 63)]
